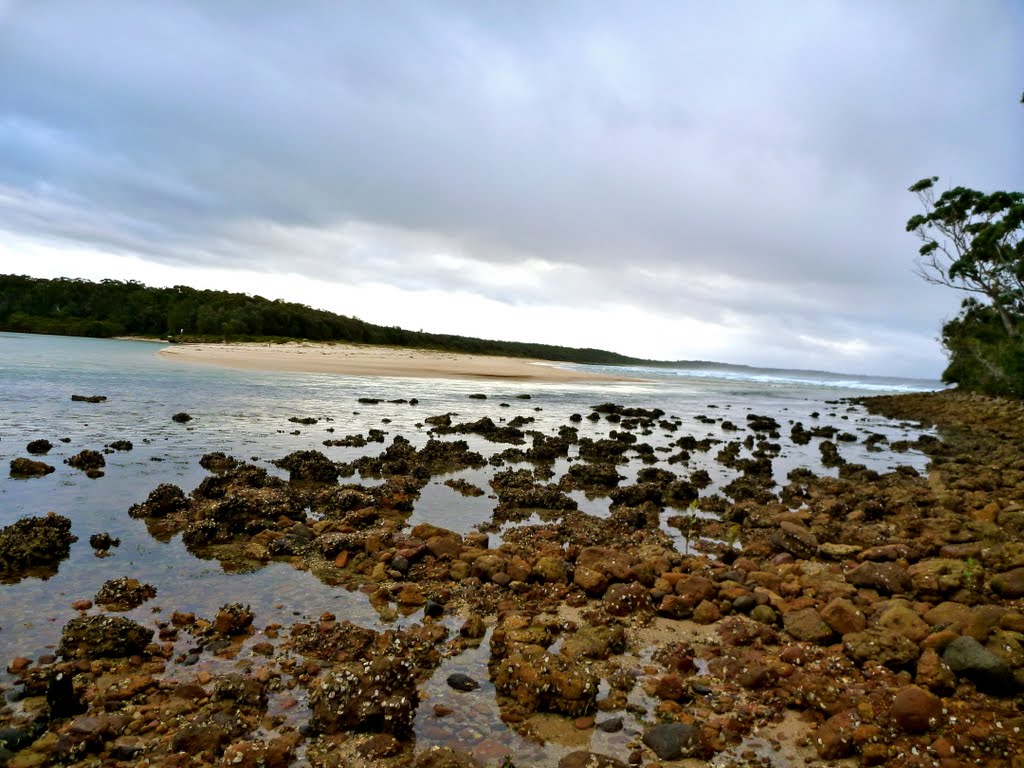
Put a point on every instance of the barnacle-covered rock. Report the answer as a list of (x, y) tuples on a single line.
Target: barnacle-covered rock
[(92, 637), (376, 696), (539, 681)]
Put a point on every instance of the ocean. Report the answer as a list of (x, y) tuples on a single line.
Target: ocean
[(246, 414)]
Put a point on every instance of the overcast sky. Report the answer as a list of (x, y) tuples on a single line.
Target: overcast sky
[(682, 180)]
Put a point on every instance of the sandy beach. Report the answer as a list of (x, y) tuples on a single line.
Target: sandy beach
[(360, 360)]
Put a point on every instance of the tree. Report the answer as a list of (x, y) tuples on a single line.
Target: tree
[(974, 242)]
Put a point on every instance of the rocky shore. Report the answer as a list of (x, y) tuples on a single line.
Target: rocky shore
[(847, 617)]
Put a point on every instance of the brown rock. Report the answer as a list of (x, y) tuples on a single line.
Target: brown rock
[(626, 599), (936, 577), (591, 581), (949, 615), (888, 648), (933, 673), (807, 625), (834, 739), (843, 616), (916, 710), (887, 578), (904, 621), (410, 595), (706, 613)]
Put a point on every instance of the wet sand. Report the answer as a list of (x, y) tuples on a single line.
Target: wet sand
[(365, 360)]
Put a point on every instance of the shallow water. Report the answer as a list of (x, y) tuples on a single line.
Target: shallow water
[(245, 414)]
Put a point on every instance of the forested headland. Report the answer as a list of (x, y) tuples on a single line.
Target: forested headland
[(110, 308)]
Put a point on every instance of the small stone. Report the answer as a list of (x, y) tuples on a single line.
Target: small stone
[(916, 710), (462, 682)]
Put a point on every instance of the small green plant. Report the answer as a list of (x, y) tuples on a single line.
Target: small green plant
[(971, 574), (689, 526)]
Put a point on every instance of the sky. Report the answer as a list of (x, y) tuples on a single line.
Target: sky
[(675, 180)]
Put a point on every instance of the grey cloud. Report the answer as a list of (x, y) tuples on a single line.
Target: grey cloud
[(689, 140)]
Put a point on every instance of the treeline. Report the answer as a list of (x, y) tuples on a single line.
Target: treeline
[(127, 308)]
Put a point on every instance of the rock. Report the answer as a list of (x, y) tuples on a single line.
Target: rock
[(309, 466), (38, 447), (1010, 584), (948, 615), (433, 609), (584, 759), (550, 569), (936, 578), (843, 616), (933, 673), (101, 542), (473, 628), (92, 637), (232, 619), (181, 417), (542, 681), (22, 468), (626, 599), (462, 682), (886, 578), (89, 398), (834, 738), (796, 540), (124, 594), (445, 757), (165, 499), (764, 614), (916, 710), (87, 460), (671, 741), (885, 647), (379, 747), (378, 696), (411, 596), (807, 625), (34, 542), (905, 621), (591, 642), (611, 725), (968, 658)]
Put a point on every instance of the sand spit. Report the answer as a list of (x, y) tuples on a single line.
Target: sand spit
[(365, 360)]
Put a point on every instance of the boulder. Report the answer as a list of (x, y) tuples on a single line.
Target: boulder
[(375, 697), (91, 637), (34, 542), (22, 468), (540, 681)]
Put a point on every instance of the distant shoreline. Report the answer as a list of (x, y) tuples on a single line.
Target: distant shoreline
[(367, 360)]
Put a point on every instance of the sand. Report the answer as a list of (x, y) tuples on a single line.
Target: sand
[(365, 360)]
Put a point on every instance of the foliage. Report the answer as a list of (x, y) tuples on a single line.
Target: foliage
[(127, 308), (974, 242)]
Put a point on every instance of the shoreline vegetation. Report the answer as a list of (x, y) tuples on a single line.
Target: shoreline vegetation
[(369, 360), (112, 308)]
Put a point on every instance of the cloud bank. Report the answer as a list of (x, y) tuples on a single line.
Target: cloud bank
[(677, 180)]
